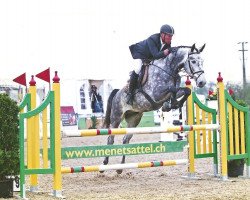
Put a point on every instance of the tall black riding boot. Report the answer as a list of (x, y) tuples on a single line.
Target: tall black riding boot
[(132, 86)]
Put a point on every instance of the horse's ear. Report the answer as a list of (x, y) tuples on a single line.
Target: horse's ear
[(193, 47), (201, 49)]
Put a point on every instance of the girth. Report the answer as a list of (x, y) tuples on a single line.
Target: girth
[(151, 101), (142, 80)]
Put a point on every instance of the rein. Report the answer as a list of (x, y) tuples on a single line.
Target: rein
[(163, 70), (174, 50)]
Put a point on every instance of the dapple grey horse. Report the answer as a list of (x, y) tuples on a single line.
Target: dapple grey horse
[(162, 89)]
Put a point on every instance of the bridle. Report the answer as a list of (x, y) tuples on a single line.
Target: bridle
[(193, 73)]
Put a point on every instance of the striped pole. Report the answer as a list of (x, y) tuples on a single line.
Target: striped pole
[(190, 120), (33, 138), (57, 186), (98, 168), (141, 130), (223, 129)]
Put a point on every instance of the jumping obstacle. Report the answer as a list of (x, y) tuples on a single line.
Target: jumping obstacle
[(201, 128), (30, 162), (139, 130), (205, 146), (99, 168)]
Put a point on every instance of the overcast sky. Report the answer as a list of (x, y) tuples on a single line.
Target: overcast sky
[(90, 38)]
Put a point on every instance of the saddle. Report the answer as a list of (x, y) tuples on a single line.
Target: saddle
[(143, 75)]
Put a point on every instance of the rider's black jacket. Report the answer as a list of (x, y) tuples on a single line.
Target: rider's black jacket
[(149, 48)]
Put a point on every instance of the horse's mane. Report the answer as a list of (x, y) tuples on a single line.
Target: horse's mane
[(179, 47), (177, 56), (173, 51)]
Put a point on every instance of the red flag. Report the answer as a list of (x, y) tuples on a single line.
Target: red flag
[(44, 75), (21, 79)]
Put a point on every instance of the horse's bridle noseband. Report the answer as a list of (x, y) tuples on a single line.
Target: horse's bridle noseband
[(199, 72)]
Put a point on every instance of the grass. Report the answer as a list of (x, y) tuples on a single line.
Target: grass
[(146, 121)]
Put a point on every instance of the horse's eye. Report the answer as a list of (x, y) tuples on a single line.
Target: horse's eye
[(193, 61)]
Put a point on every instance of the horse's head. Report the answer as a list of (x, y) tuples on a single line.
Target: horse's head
[(183, 57), (193, 65)]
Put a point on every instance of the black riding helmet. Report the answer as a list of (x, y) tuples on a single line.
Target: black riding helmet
[(167, 29)]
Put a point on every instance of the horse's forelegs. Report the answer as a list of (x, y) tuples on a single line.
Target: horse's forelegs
[(177, 100), (126, 140), (168, 104), (182, 93)]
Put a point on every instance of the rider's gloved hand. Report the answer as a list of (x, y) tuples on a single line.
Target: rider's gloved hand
[(172, 49), (166, 52)]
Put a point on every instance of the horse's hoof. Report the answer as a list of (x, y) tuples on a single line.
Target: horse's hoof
[(105, 162), (174, 108), (119, 171), (166, 110), (175, 105), (166, 107)]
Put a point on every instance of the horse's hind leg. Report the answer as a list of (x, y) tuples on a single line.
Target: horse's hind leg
[(110, 141), (126, 140), (132, 119)]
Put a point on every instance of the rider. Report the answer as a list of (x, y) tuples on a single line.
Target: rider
[(155, 47)]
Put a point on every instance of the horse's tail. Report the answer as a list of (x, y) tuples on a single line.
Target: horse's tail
[(106, 123)]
